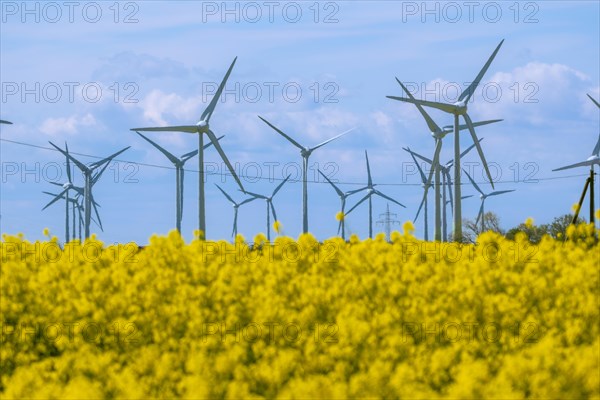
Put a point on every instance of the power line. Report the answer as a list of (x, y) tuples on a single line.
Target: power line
[(528, 181)]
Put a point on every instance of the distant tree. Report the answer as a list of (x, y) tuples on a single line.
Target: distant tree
[(557, 229), (471, 229)]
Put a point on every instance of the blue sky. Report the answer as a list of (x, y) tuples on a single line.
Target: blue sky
[(89, 73)]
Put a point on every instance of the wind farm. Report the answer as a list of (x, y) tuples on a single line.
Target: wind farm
[(300, 200)]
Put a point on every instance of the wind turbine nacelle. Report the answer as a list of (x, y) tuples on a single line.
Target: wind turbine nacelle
[(67, 185), (593, 158), (202, 125)]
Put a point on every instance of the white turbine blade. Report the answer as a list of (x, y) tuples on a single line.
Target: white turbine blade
[(215, 142), (473, 183), (58, 197), (369, 181), (332, 139), (596, 151), (427, 160), (377, 192), (225, 194), (182, 128), (419, 210), (433, 127), (423, 177), (68, 164), (480, 214), (279, 186), (191, 154), (359, 203), (247, 201), (273, 210), (292, 141), (434, 164), (337, 190), (466, 197), (97, 176), (585, 163), (213, 103), (466, 95), (5, 122), (167, 154), (351, 192), (591, 98), (475, 124), (80, 165), (465, 152), (478, 146), (107, 159), (256, 195), (500, 192), (449, 108), (206, 146), (449, 182)]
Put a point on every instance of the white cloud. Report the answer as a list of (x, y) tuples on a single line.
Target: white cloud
[(69, 125)]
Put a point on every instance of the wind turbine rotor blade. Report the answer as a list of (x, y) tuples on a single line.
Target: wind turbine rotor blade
[(449, 108), (434, 164), (586, 163), (256, 195), (377, 192), (419, 210), (332, 139), (465, 152), (55, 199), (466, 95), (351, 192), (273, 211), (215, 142), (433, 127), (56, 183), (359, 203), (500, 192), (68, 164), (206, 146), (591, 98), (292, 141), (423, 177), (480, 214), (79, 164), (213, 103), (337, 190), (466, 197), (225, 194), (475, 124), (370, 181), (189, 155), (108, 159), (247, 201), (99, 174), (473, 183), (596, 151), (279, 186), (167, 154), (95, 207), (478, 146), (449, 183), (5, 122), (427, 160), (179, 128)]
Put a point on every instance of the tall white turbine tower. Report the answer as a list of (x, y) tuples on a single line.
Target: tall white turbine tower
[(202, 128), (459, 108), (305, 152)]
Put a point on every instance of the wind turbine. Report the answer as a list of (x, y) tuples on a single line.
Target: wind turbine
[(270, 207), (75, 206), (179, 163), (446, 183), (343, 196), (90, 180), (459, 108), (305, 152), (370, 188), (484, 196), (593, 159), (424, 201), (202, 128), (438, 134), (236, 207)]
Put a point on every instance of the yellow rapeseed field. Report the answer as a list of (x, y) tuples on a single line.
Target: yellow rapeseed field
[(302, 319)]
